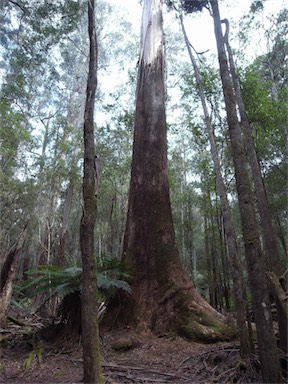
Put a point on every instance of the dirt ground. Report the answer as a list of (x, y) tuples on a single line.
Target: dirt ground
[(128, 357)]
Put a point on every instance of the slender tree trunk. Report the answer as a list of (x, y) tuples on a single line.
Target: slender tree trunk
[(190, 236), (263, 206), (255, 263), (213, 255), (234, 259), (45, 247), (281, 235), (224, 263), (206, 243), (64, 230), (163, 298), (89, 296), (270, 242)]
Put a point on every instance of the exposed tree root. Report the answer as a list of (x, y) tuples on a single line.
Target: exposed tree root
[(175, 309)]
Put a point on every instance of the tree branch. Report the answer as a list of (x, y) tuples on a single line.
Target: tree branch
[(18, 5)]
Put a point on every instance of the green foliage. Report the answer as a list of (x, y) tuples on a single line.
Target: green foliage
[(189, 6), (13, 131), (29, 360), (35, 355), (104, 283), (53, 280), (43, 74), (267, 113), (58, 18), (256, 6), (50, 280), (201, 283), (66, 283)]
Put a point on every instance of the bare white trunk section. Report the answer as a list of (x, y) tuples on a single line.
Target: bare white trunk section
[(151, 32)]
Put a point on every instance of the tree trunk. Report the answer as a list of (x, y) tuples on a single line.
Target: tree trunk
[(64, 229), (279, 292), (281, 235), (45, 247), (89, 296), (270, 242), (225, 264), (8, 274), (163, 299), (234, 260), (213, 255), (254, 258)]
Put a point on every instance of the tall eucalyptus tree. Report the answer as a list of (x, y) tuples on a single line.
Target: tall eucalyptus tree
[(163, 298)]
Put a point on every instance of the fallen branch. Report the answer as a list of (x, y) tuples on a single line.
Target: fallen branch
[(184, 361), (23, 323), (139, 369), (18, 322), (225, 348), (154, 371), (225, 373)]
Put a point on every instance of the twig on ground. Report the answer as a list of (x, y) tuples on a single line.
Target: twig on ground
[(225, 373)]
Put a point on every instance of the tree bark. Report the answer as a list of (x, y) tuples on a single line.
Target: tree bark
[(89, 297), (234, 260), (255, 263), (163, 298), (8, 274), (279, 292), (64, 229), (270, 242)]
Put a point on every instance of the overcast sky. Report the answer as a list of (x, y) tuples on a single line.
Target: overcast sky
[(200, 26)]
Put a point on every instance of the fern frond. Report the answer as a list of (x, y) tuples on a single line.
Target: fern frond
[(106, 283), (49, 280), (73, 271), (67, 288)]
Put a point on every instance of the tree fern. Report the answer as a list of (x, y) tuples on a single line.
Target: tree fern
[(50, 280), (66, 283)]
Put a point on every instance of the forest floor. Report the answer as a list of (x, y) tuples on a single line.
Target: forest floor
[(128, 357)]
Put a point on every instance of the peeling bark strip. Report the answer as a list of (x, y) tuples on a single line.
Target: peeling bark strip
[(89, 296), (151, 34)]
